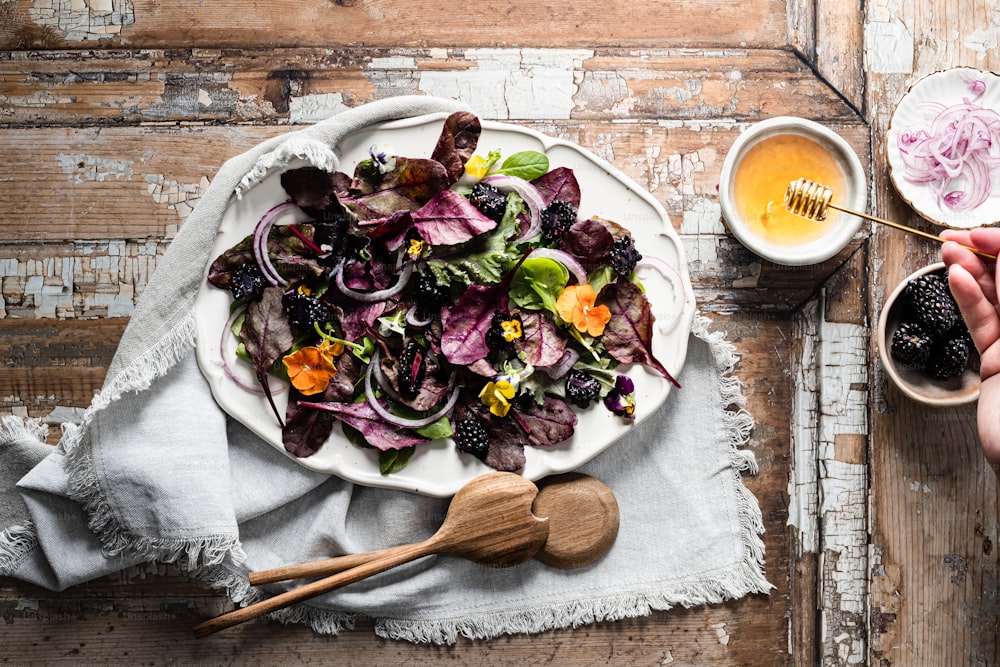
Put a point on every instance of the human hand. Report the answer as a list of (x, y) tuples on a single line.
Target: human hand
[(974, 286)]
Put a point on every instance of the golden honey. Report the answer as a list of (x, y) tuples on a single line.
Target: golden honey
[(763, 176)]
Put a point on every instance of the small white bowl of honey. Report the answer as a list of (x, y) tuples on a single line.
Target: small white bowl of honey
[(756, 173)]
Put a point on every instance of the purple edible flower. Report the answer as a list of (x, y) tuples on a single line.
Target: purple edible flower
[(621, 399)]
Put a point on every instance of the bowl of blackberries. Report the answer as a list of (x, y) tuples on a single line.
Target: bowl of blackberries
[(924, 345)]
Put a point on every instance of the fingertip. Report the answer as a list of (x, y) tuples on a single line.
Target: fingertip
[(952, 252)]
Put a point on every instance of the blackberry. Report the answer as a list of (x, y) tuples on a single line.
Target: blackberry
[(582, 388), (623, 256), (911, 344), (949, 358), (557, 218), (932, 303), (246, 280), (411, 368), (305, 311), (431, 297), (471, 437), (490, 201)]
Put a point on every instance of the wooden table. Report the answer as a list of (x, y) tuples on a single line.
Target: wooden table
[(881, 517)]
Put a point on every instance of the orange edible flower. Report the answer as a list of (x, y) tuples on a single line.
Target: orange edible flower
[(310, 369), (576, 305)]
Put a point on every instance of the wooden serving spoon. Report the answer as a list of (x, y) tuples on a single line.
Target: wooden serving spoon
[(489, 521), (583, 524)]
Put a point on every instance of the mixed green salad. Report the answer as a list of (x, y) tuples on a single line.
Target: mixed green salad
[(453, 296)]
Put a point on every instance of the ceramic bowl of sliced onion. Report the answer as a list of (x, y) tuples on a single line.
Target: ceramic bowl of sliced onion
[(943, 147)]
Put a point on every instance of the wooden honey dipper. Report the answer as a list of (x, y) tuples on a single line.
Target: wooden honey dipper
[(811, 200)]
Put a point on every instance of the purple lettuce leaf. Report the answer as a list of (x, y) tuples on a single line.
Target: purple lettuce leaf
[(542, 345), (312, 190), (506, 449), (266, 334), (547, 424), (505, 454), (463, 340), (376, 431), (559, 183), (306, 429), (450, 219), (290, 256), (588, 241), (433, 389), (457, 143), (628, 336), (356, 320), (409, 186), (390, 231)]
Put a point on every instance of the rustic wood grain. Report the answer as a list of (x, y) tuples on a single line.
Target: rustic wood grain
[(112, 198), (935, 575), (301, 85), (383, 23), (114, 115)]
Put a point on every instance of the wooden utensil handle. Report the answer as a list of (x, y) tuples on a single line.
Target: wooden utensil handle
[(388, 559), (316, 568)]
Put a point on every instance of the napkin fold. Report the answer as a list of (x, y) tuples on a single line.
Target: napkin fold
[(157, 472)]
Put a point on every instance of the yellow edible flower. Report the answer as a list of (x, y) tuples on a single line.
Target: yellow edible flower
[(497, 396), (416, 249), (576, 306), (511, 330), (478, 167)]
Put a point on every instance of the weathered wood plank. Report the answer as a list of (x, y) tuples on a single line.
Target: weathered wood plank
[(105, 203), (935, 503), (424, 23), (54, 363), (303, 85)]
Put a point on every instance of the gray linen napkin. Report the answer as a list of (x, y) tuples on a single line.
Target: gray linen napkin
[(157, 471)]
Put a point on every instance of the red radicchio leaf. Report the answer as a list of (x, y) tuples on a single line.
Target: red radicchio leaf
[(457, 143), (406, 188), (376, 431), (545, 425), (449, 219), (542, 345), (306, 430), (266, 335), (312, 190), (506, 450), (463, 340), (464, 326), (505, 455), (559, 183), (628, 336), (587, 240)]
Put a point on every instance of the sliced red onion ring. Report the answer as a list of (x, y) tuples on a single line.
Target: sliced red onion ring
[(378, 295), (564, 258), (396, 420), (565, 363), (260, 233), (383, 382), (414, 321), (956, 156), (227, 331), (529, 193)]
